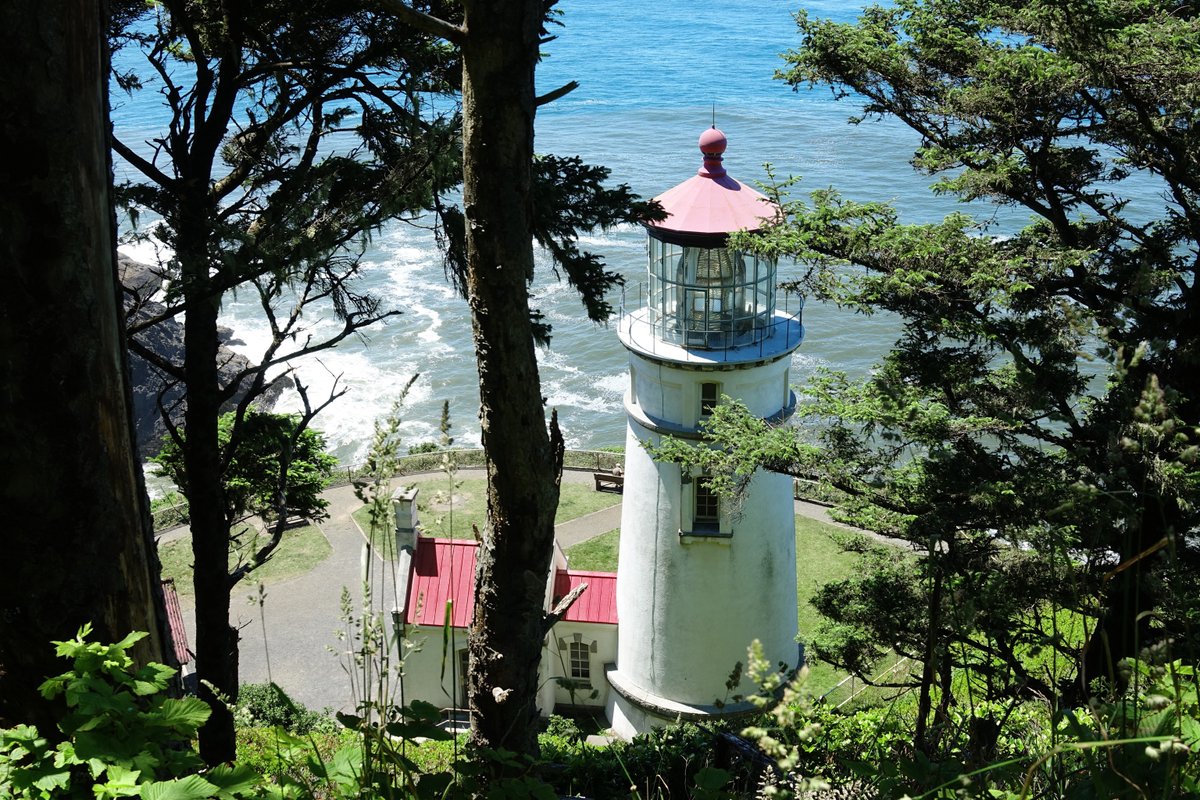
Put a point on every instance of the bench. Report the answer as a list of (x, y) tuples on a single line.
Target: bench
[(606, 481)]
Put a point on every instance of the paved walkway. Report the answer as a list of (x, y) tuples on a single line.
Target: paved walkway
[(300, 650)]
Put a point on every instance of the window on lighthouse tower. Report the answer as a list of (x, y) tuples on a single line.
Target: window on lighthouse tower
[(707, 507), (710, 395)]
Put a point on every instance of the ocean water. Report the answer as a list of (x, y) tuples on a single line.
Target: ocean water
[(653, 76)]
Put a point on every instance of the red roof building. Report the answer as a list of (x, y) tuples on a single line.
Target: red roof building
[(598, 603), (443, 571)]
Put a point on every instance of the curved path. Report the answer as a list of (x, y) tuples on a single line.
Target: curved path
[(300, 649)]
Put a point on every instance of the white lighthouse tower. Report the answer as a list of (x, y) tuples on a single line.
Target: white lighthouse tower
[(698, 580)]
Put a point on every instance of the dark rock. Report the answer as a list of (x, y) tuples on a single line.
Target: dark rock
[(153, 390)]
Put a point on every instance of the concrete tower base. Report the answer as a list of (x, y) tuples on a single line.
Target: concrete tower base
[(632, 711)]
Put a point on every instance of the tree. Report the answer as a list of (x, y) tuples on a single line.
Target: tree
[(502, 216), (78, 535), (1035, 426), (292, 131), (276, 472)]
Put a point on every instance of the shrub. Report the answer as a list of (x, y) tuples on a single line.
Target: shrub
[(120, 735), (266, 704)]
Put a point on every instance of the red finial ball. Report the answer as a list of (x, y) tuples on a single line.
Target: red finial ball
[(713, 142)]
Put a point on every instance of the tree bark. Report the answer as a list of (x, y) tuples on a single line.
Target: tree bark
[(78, 543), (216, 639), (523, 456)]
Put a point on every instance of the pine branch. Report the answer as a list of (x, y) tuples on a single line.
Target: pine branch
[(434, 26)]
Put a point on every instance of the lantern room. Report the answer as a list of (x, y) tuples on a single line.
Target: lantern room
[(704, 294)]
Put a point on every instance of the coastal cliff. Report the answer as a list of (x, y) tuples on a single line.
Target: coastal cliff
[(154, 391)]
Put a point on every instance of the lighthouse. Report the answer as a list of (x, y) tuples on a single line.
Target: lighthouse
[(699, 576)]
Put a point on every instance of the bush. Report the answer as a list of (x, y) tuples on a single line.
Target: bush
[(563, 728), (120, 735), (267, 705)]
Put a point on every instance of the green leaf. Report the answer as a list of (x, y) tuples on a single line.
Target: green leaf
[(152, 678), (1190, 732), (193, 787), (186, 714), (120, 782), (710, 779), (234, 781)]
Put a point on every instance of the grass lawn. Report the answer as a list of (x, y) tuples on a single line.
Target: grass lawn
[(596, 555), (819, 560), (300, 550), (440, 517)]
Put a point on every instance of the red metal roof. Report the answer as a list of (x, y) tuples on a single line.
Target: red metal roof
[(442, 570), (712, 202), (179, 640), (598, 603)]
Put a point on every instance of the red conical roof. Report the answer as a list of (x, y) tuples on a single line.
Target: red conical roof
[(712, 202)]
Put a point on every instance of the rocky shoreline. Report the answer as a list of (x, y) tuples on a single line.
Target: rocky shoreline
[(165, 339)]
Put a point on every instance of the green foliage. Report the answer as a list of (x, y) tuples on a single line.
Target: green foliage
[(669, 762), (1033, 431), (120, 736), (266, 704), (569, 197), (564, 729), (272, 464)]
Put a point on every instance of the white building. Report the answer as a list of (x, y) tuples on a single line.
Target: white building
[(697, 580), (438, 580)]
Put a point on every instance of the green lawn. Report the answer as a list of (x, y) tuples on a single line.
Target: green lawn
[(449, 517), (300, 550), (598, 554), (819, 560)]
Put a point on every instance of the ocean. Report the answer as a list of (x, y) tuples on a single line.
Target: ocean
[(652, 78)]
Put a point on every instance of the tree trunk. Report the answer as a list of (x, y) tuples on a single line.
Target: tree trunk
[(523, 462), (78, 544), (929, 666), (216, 640)]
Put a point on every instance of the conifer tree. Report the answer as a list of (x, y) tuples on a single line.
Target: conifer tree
[(1034, 429), (291, 132)]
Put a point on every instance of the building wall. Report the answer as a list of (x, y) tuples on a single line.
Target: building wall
[(602, 641), (423, 679), (672, 394), (690, 605)]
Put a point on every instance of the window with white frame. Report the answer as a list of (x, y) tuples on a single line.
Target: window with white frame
[(579, 656), (706, 506)]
